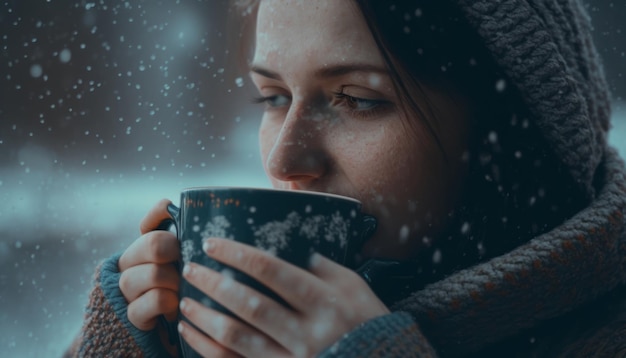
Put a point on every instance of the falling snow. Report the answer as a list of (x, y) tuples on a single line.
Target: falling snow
[(65, 56), (36, 70), (465, 228), (404, 233), (501, 85), (437, 256), (110, 106)]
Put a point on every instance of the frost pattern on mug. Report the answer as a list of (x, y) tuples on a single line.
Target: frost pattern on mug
[(337, 229), (310, 228), (274, 236), (187, 250), (217, 227)]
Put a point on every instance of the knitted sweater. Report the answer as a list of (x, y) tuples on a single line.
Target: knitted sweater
[(560, 293)]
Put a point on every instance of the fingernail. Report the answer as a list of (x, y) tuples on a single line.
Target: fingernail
[(208, 245), (180, 327), (186, 270), (182, 305)]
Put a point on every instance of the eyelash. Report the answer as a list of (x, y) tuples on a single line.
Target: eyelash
[(377, 106), (268, 99)]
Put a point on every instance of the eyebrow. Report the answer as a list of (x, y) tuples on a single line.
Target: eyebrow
[(326, 72)]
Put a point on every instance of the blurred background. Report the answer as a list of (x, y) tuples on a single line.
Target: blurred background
[(107, 107)]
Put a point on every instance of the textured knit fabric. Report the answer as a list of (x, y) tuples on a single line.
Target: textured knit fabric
[(394, 335), (545, 47), (561, 293), (107, 332), (551, 275)]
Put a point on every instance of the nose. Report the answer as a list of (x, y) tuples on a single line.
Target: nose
[(298, 155)]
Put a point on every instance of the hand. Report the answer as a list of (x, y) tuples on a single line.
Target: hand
[(149, 280), (327, 301)]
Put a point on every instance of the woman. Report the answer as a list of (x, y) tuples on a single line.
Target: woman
[(475, 131)]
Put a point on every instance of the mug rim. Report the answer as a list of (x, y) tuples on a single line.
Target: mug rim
[(241, 188)]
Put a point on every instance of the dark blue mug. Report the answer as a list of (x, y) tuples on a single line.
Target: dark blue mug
[(290, 224)]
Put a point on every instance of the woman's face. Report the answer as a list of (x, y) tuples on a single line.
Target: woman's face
[(334, 123)]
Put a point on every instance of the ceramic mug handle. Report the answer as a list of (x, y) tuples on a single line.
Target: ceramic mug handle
[(166, 225)]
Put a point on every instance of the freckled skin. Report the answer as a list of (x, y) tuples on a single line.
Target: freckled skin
[(315, 142)]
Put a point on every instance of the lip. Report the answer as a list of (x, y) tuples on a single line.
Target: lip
[(293, 186), (301, 186)]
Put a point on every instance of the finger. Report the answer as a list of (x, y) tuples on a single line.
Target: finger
[(327, 269), (348, 281), (205, 346), (229, 332), (256, 309), (144, 311), (137, 280), (154, 247), (295, 285), (155, 216)]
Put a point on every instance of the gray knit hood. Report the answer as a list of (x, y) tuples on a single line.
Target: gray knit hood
[(545, 49)]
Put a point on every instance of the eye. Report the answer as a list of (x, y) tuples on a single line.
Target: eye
[(358, 107), (273, 101), (358, 104)]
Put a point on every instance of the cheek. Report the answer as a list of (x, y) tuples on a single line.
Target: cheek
[(403, 186), (380, 163)]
